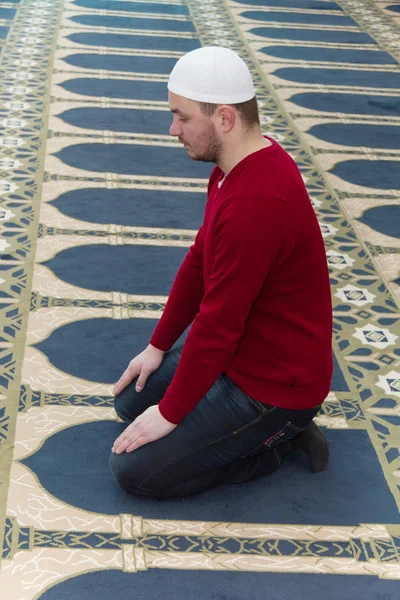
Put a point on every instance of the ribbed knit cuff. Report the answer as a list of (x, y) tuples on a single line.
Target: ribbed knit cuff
[(169, 410), (160, 342)]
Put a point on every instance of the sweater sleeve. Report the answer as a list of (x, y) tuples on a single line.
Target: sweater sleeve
[(246, 243), (184, 300)]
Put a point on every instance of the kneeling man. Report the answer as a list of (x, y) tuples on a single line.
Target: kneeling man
[(242, 392)]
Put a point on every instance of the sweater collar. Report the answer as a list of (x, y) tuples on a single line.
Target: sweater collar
[(244, 163)]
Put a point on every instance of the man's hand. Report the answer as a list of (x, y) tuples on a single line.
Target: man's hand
[(148, 427), (143, 365)]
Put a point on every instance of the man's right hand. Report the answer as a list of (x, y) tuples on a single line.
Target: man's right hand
[(143, 365)]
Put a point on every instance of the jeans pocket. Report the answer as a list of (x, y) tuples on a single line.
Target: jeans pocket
[(265, 409), (252, 411), (247, 425)]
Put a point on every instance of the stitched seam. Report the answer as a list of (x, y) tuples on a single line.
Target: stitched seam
[(277, 456), (259, 418), (197, 450), (256, 404), (294, 427), (181, 457), (251, 451)]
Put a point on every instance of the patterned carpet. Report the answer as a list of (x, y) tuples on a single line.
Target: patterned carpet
[(98, 208)]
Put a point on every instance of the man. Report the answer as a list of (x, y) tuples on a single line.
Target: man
[(257, 363)]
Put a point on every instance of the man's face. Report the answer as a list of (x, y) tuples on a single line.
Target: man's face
[(194, 130)]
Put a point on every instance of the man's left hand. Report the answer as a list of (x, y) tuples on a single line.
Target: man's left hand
[(148, 427)]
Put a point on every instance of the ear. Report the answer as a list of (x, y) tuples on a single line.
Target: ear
[(226, 117)]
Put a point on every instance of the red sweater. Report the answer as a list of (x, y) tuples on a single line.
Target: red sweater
[(255, 285)]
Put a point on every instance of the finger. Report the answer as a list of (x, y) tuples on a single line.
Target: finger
[(141, 441), (127, 377), (116, 444), (121, 384), (141, 382), (120, 441), (125, 434), (128, 436), (130, 441)]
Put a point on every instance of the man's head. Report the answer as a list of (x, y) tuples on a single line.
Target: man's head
[(212, 96)]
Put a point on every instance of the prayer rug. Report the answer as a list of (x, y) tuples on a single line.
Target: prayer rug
[(98, 208)]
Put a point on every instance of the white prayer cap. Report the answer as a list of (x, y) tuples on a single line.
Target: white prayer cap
[(212, 74)]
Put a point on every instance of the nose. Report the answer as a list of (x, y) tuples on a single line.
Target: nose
[(175, 130)]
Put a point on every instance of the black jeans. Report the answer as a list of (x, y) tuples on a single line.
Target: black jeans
[(227, 438)]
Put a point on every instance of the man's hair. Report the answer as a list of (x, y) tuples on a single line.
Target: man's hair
[(248, 111)]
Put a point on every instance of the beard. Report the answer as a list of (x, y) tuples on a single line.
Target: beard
[(208, 147)]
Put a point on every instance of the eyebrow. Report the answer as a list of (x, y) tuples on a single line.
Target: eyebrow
[(176, 111)]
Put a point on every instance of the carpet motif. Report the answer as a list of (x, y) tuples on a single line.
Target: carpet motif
[(91, 181)]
